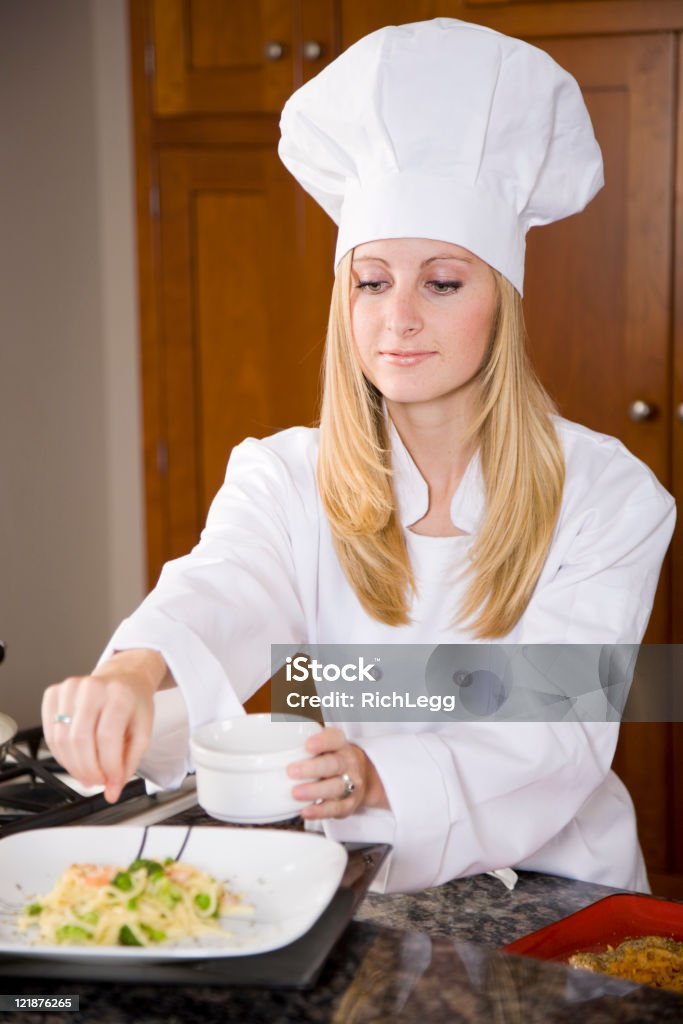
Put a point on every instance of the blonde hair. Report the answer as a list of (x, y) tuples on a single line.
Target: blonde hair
[(521, 460)]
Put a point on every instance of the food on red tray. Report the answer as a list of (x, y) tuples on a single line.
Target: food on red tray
[(648, 960)]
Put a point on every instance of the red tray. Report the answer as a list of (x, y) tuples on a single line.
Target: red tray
[(605, 923)]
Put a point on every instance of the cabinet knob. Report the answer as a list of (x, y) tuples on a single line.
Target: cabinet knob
[(312, 49), (679, 412), (639, 411), (274, 50)]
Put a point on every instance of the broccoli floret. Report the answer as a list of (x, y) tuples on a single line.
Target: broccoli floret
[(128, 938), (73, 933)]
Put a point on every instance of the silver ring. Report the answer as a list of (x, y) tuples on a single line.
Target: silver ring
[(349, 786), (63, 719)]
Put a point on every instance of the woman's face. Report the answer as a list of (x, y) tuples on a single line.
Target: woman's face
[(421, 313)]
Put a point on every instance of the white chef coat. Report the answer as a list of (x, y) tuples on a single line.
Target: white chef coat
[(464, 797)]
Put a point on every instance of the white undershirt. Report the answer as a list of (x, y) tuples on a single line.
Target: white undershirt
[(440, 567)]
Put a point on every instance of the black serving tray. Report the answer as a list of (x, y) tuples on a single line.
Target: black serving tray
[(297, 965)]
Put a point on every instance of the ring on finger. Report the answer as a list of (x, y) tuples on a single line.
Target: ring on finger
[(63, 719), (349, 786)]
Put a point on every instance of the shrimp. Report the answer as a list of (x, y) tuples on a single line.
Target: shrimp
[(93, 874)]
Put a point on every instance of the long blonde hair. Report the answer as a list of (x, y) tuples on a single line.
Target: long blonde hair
[(521, 460)]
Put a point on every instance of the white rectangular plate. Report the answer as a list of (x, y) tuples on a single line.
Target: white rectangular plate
[(287, 877)]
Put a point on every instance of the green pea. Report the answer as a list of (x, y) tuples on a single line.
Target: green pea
[(73, 933)]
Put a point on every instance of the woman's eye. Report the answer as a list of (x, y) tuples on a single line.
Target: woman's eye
[(444, 287), (371, 286)]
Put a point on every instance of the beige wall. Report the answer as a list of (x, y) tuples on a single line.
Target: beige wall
[(71, 546)]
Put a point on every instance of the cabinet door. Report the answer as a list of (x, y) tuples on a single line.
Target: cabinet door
[(598, 308), (242, 322), (234, 56), (598, 296), (598, 286), (677, 461), (215, 56)]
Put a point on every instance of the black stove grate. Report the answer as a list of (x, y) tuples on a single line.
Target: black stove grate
[(31, 795)]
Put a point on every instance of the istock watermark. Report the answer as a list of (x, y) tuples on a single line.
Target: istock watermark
[(479, 682), (300, 669)]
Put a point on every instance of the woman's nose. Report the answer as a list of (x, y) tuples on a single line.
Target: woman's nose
[(403, 314)]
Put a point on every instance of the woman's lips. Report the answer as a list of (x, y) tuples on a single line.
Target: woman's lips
[(405, 358)]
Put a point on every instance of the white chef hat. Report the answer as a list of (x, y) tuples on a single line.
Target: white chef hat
[(447, 130)]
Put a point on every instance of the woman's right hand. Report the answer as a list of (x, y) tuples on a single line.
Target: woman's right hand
[(106, 721)]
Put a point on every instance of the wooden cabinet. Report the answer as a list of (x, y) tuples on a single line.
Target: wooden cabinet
[(236, 265), (241, 356), (598, 309), (233, 56), (532, 20), (215, 56)]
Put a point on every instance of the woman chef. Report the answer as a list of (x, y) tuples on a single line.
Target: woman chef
[(441, 500)]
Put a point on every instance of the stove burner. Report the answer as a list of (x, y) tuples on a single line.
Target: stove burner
[(27, 797), (31, 795)]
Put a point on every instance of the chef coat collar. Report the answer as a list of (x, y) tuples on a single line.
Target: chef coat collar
[(412, 491)]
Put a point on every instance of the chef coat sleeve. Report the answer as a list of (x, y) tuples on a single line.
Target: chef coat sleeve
[(215, 612), (474, 797)]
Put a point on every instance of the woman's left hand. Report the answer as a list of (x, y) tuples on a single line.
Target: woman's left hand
[(336, 765)]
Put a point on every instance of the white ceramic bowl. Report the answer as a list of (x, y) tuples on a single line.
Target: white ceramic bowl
[(241, 767)]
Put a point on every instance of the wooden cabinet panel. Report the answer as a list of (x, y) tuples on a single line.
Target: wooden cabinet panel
[(318, 43), (598, 304), (234, 57), (232, 273), (676, 810), (598, 294), (677, 395), (211, 55), (243, 315), (643, 763), (531, 18), (525, 18)]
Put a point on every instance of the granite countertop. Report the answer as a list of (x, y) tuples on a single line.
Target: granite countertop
[(426, 957), (480, 909)]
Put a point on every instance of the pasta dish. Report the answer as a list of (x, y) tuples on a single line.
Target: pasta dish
[(142, 905)]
